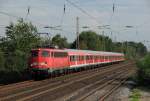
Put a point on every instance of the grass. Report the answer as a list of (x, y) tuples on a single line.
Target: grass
[(135, 96)]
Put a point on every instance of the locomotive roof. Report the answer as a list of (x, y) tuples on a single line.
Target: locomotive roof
[(82, 51)]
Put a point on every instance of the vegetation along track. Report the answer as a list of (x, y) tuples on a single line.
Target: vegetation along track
[(51, 88)]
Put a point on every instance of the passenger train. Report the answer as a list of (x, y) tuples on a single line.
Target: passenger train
[(45, 61)]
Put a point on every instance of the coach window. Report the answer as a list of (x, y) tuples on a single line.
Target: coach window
[(91, 57), (95, 57), (52, 54), (72, 58), (103, 57), (82, 58), (45, 54), (79, 58), (110, 57), (87, 57)]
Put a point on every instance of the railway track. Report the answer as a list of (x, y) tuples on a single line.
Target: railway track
[(83, 93), (50, 88), (31, 82), (106, 88), (11, 86)]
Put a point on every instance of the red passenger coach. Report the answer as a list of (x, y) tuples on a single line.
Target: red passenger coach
[(45, 61)]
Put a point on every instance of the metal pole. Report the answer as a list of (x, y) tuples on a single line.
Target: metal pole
[(111, 39), (103, 40), (77, 33)]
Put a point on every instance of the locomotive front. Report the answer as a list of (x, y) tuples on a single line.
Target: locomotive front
[(39, 62)]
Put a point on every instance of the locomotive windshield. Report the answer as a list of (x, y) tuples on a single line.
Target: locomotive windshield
[(37, 53), (45, 54)]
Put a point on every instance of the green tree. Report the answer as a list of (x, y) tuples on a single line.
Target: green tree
[(22, 36), (131, 49), (89, 40), (59, 41), (2, 61), (20, 39), (144, 70)]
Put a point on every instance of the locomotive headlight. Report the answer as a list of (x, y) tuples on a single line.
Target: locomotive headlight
[(42, 63), (34, 64)]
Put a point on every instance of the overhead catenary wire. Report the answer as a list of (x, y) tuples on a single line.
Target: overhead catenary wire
[(92, 17), (18, 17), (2, 26), (83, 11), (10, 15)]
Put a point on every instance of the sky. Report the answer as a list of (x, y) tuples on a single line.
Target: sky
[(43, 13)]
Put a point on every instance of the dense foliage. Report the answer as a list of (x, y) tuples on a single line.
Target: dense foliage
[(15, 47), (131, 49), (91, 41), (144, 70), (60, 42)]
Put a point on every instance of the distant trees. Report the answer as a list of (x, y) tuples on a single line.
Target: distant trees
[(131, 49), (91, 41)]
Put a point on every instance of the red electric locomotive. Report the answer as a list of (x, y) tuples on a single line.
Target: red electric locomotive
[(44, 61)]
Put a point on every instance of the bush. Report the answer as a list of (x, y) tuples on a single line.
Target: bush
[(144, 70), (20, 38), (2, 61), (135, 96)]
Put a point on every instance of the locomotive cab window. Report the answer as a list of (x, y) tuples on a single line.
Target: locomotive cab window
[(45, 54)]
